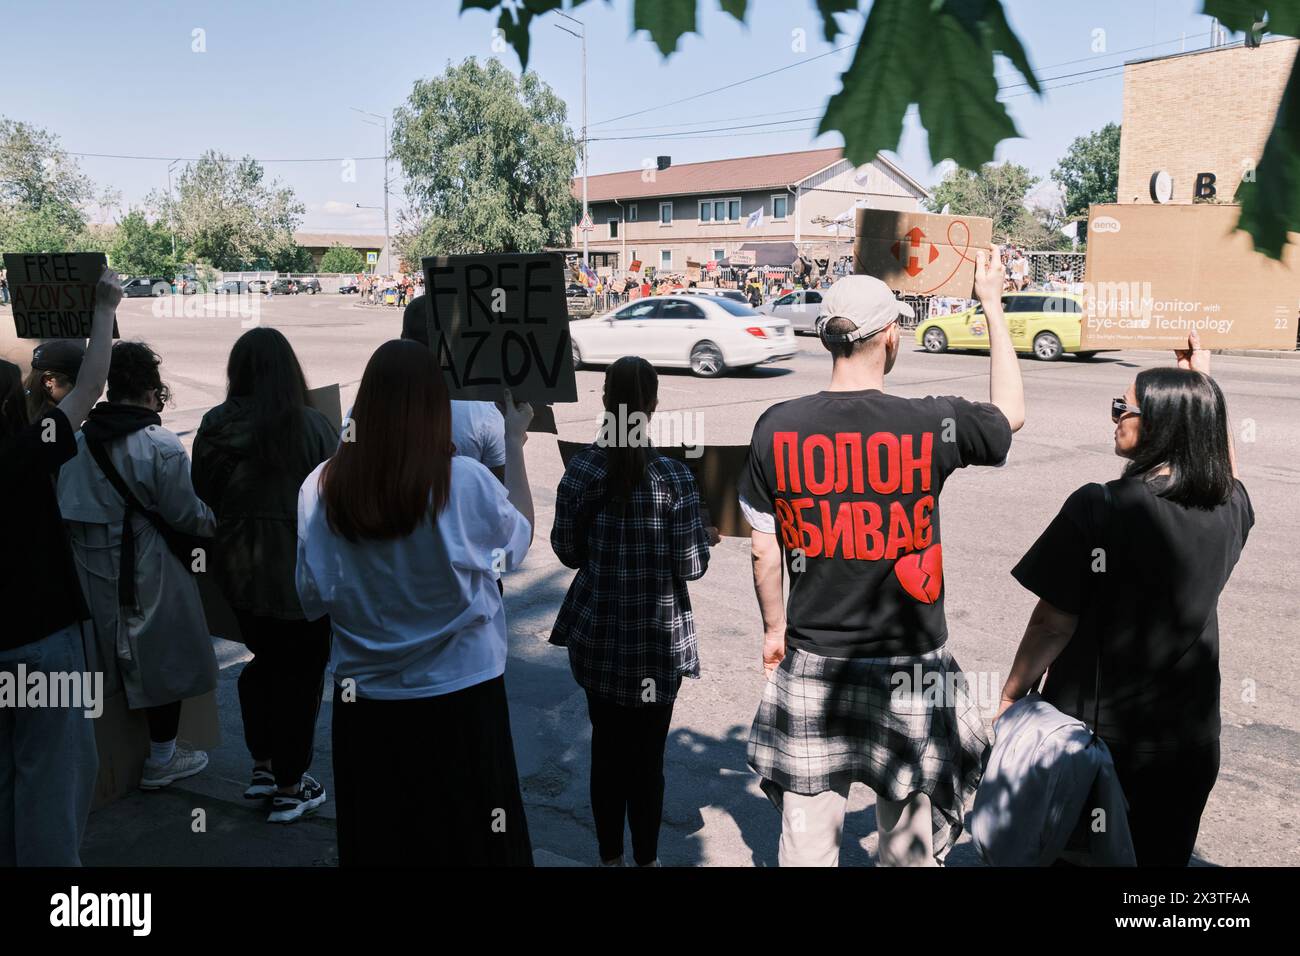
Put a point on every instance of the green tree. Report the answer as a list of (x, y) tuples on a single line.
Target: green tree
[(142, 248), (951, 80), (293, 258), (1089, 171), (343, 259), (996, 191), (226, 213), (42, 192), (488, 162)]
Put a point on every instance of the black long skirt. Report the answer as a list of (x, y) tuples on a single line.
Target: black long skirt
[(429, 782)]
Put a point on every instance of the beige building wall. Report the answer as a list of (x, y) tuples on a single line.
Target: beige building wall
[(1205, 112)]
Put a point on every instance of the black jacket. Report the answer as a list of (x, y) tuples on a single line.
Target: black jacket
[(256, 507)]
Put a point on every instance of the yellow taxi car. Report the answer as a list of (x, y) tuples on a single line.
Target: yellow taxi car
[(1048, 324)]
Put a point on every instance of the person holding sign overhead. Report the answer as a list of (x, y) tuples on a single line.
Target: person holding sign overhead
[(401, 543), (55, 366), (48, 760)]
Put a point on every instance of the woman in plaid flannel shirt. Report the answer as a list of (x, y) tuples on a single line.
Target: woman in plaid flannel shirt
[(629, 520)]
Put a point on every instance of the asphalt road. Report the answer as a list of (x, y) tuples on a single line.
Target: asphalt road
[(715, 814)]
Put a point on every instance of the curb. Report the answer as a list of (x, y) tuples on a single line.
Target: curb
[(1260, 353)]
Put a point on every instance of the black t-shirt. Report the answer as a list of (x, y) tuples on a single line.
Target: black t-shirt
[(1156, 608), (39, 590), (853, 481)]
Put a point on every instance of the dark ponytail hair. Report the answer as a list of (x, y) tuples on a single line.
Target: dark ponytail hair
[(631, 385), (1184, 426), (264, 369)]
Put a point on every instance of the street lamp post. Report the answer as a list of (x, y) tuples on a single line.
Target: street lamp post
[(583, 37), (172, 217), (388, 254)]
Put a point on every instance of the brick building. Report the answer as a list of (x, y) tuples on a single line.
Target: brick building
[(1208, 111)]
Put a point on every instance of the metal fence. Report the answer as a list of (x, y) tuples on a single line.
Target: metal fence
[(1044, 264)]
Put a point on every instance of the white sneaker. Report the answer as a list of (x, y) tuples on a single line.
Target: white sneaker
[(184, 763)]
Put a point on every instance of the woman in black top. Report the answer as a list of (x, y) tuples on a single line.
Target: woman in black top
[(251, 454), (48, 760), (1129, 575)]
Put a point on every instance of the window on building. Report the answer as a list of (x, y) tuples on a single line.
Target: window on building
[(706, 211), (613, 229), (665, 259), (719, 254), (720, 210), (733, 210), (665, 214), (780, 206), (631, 212)]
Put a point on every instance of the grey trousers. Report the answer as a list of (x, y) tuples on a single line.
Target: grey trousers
[(812, 827), (48, 761)]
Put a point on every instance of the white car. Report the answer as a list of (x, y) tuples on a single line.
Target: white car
[(801, 307), (707, 334)]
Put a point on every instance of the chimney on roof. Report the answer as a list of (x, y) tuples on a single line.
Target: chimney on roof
[(664, 162)]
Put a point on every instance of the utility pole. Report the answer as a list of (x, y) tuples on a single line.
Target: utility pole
[(583, 37), (388, 252), (172, 218)]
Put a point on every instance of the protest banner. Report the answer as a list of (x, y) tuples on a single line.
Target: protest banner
[(918, 253), (716, 469), (1157, 272), (499, 322), (692, 270), (742, 258), (53, 294)]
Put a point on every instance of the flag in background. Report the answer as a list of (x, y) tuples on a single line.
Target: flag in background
[(755, 219)]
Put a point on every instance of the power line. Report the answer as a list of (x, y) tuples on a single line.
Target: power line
[(184, 159)]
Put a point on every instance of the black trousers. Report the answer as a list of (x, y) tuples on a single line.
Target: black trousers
[(1166, 793), (429, 781), (280, 691), (627, 775)]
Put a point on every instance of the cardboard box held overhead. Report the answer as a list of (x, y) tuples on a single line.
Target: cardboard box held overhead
[(1155, 273), (918, 253)]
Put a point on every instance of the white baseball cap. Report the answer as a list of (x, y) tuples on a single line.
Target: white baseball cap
[(863, 300)]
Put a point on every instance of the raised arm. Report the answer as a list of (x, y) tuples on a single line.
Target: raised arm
[(1006, 391), (76, 405)]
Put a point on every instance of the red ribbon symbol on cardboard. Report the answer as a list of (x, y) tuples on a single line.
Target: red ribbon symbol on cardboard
[(961, 253)]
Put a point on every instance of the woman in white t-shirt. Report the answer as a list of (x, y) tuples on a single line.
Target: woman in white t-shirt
[(401, 543)]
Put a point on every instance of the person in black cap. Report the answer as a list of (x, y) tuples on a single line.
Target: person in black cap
[(55, 366)]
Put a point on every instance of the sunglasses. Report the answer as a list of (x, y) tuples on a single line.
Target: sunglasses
[(1119, 408)]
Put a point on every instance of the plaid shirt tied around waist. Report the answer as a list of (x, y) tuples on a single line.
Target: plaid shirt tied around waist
[(626, 618)]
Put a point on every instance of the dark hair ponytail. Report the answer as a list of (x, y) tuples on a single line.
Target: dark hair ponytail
[(1184, 426), (631, 386), (264, 370)]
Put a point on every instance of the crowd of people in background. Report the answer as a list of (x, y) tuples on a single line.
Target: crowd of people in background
[(395, 290), (378, 555)]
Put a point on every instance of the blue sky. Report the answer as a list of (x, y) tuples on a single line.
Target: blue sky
[(278, 77)]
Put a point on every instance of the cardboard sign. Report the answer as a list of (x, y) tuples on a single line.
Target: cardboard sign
[(920, 253), (53, 294), (1157, 272), (716, 469), (634, 266), (329, 403), (500, 322), (743, 258)]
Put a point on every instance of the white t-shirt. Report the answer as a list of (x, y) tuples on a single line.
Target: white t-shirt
[(478, 431), (422, 615)]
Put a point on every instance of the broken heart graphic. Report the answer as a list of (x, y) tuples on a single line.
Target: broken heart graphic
[(921, 573)]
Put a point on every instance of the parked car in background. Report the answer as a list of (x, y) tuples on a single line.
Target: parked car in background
[(283, 287), (734, 295), (1048, 324), (146, 285), (231, 287), (348, 286), (262, 286), (310, 285), (801, 307), (187, 285), (707, 334)]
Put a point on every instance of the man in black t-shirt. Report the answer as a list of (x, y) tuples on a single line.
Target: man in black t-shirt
[(842, 488)]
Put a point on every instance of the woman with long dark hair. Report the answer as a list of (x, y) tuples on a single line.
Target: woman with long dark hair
[(629, 520), (401, 543), (55, 366), (151, 630), (1128, 577), (48, 759), (251, 455)]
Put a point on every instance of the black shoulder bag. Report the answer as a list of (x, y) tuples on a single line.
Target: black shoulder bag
[(181, 544)]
